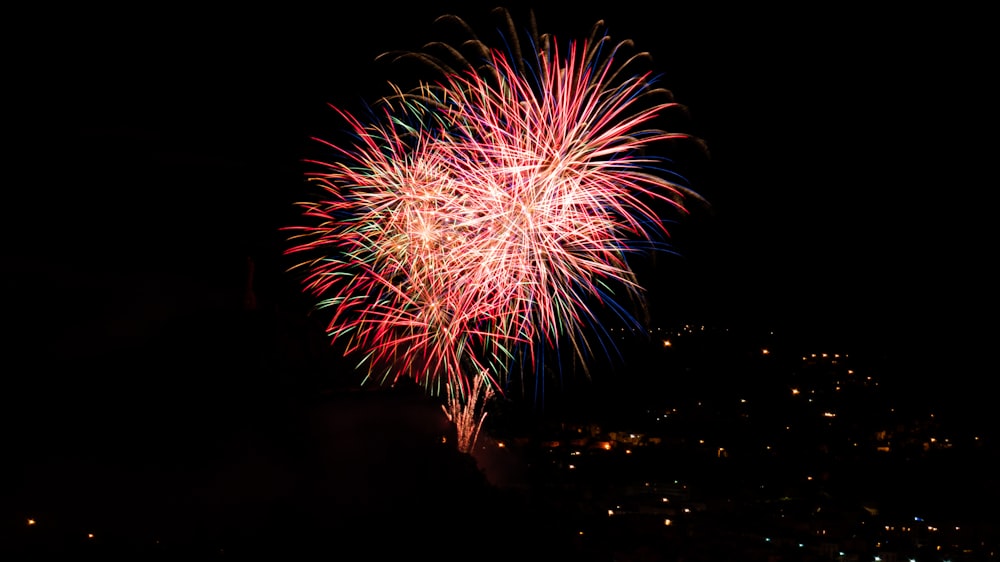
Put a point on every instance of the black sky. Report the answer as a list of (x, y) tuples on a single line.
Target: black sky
[(156, 149)]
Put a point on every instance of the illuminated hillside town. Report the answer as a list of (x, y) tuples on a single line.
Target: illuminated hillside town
[(706, 444), (791, 456)]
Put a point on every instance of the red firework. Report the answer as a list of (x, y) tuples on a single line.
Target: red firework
[(486, 216)]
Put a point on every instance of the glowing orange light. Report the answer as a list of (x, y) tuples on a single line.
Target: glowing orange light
[(31, 521)]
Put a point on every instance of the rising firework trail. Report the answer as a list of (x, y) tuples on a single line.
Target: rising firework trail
[(485, 218)]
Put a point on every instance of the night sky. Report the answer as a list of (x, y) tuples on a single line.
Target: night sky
[(154, 153), (157, 150)]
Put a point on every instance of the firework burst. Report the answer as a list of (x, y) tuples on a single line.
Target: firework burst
[(484, 217)]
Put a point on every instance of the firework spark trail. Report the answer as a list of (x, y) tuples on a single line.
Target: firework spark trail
[(469, 414), (480, 218), (558, 170)]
